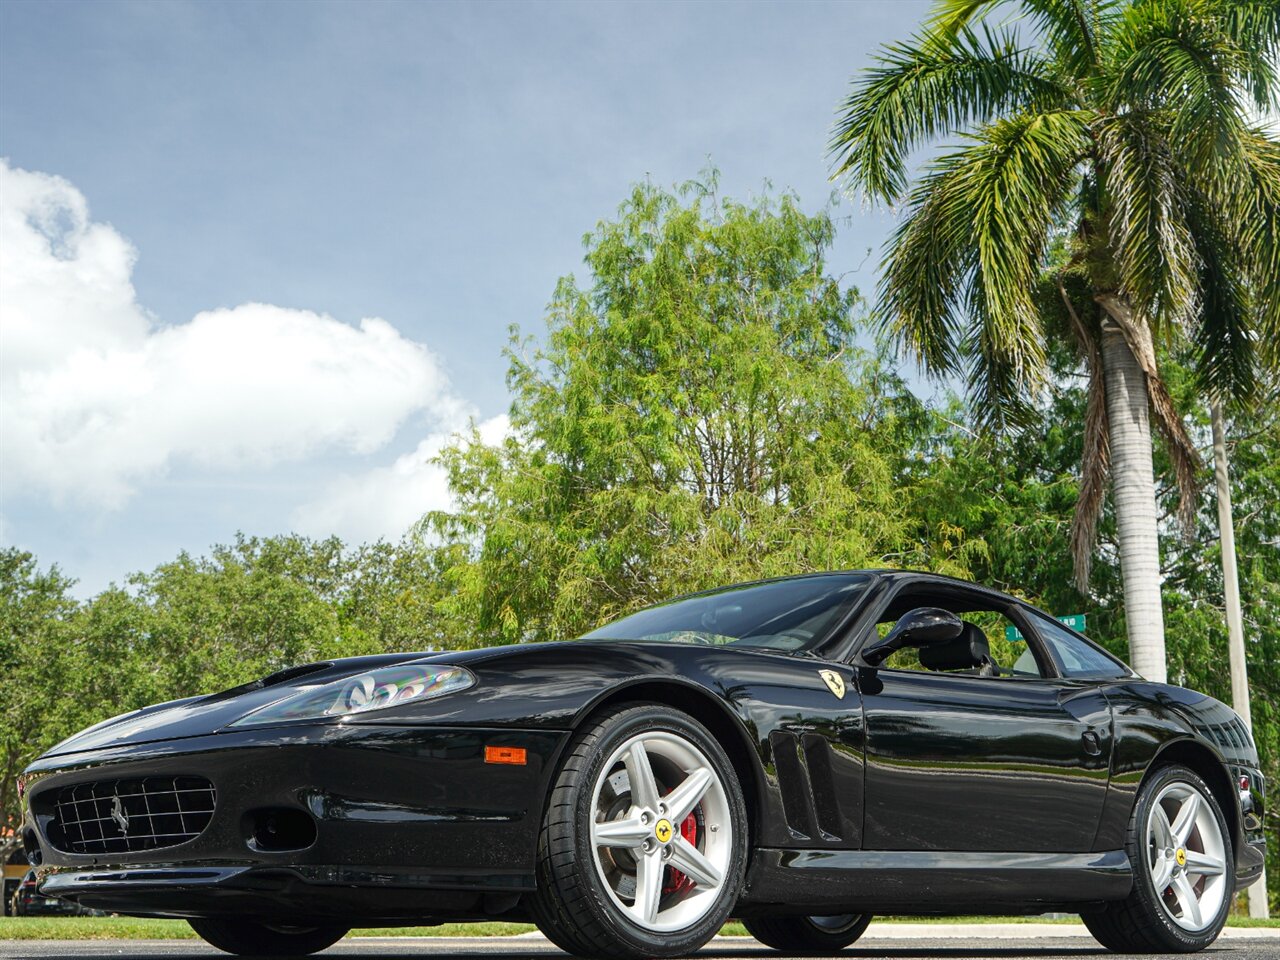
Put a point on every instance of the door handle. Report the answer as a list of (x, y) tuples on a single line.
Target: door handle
[(1092, 745)]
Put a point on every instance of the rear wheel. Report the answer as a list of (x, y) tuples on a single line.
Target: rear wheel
[(1183, 870), (248, 938), (808, 935), (642, 849)]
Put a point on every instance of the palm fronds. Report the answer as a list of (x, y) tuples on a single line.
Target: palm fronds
[(1148, 233), (971, 247), (1121, 123), (935, 85)]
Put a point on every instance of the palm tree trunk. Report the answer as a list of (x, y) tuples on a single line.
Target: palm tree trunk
[(1133, 492), (1235, 620)]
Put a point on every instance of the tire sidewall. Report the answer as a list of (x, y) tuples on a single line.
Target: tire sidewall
[(836, 939), (802, 935), (1144, 887), (254, 938), (613, 732)]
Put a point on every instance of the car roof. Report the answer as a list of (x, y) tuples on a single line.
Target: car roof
[(880, 573)]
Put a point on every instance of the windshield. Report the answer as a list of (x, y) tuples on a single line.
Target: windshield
[(788, 615)]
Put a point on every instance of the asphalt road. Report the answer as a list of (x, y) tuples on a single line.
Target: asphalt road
[(537, 949)]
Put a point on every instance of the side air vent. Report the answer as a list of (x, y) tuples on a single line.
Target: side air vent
[(817, 787), (817, 755), (793, 782)]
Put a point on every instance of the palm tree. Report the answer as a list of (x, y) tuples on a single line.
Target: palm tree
[(1118, 129)]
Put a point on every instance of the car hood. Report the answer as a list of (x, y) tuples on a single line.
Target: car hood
[(542, 684), (198, 716)]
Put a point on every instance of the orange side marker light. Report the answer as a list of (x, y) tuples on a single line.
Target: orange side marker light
[(517, 756)]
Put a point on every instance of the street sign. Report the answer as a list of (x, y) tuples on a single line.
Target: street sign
[(1073, 620)]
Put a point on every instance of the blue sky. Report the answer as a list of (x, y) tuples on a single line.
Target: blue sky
[(204, 202)]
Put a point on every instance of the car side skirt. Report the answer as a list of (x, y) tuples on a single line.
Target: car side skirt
[(927, 881)]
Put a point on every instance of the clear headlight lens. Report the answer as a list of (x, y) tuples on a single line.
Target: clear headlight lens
[(375, 690)]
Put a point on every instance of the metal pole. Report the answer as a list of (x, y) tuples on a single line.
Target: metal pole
[(1235, 621)]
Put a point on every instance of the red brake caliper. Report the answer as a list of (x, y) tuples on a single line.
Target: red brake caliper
[(678, 882)]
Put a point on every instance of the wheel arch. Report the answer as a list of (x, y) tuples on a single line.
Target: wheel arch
[(728, 730), (1205, 763)]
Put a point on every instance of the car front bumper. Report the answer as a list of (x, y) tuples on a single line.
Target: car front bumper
[(411, 823)]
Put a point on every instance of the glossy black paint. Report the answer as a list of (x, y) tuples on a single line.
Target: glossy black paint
[(921, 791), (968, 763), (917, 628), (895, 881)]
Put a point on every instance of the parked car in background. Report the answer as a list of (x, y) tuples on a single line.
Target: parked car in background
[(29, 902), (12, 871)]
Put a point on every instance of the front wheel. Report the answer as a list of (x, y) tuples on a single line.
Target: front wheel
[(808, 935), (643, 846), (1183, 870), (248, 938)]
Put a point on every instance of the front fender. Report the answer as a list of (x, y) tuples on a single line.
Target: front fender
[(1157, 723)]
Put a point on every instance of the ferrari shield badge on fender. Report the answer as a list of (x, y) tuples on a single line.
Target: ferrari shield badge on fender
[(834, 682)]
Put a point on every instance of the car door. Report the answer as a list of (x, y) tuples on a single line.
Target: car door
[(964, 762)]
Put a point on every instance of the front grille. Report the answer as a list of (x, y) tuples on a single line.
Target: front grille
[(126, 816)]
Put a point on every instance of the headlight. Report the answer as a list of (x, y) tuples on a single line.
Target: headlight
[(375, 690)]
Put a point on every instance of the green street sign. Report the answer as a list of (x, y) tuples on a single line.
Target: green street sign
[(1073, 620)]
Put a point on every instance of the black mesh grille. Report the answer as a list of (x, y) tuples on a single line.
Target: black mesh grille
[(125, 816)]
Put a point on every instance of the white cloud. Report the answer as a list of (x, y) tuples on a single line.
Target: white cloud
[(386, 501), (97, 398)]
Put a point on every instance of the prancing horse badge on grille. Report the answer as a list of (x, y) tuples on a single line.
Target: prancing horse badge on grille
[(118, 815), (834, 682)]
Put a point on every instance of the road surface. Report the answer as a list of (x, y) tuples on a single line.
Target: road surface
[(884, 945)]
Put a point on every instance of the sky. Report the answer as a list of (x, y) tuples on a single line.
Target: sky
[(258, 261)]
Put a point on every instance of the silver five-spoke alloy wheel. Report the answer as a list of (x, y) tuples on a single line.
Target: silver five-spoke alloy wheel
[(1187, 856), (661, 831)]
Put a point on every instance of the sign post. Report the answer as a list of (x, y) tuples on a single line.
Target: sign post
[(1075, 621)]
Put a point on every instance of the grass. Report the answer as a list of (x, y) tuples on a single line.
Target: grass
[(1253, 922), (127, 928)]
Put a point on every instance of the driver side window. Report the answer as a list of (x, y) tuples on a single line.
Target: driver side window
[(989, 647)]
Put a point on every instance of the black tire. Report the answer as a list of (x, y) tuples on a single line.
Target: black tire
[(1140, 923), (807, 935), (248, 938), (571, 905)]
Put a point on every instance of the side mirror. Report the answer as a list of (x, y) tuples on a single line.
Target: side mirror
[(921, 627)]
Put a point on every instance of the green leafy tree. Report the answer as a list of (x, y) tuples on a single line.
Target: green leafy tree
[(34, 605), (260, 604), (697, 415), (1122, 126)]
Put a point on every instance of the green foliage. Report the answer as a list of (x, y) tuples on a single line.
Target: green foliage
[(35, 605), (1122, 126), (698, 414)]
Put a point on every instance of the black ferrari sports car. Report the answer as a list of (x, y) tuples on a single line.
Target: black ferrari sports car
[(799, 753)]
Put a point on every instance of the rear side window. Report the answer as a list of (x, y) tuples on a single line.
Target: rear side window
[(1076, 657)]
